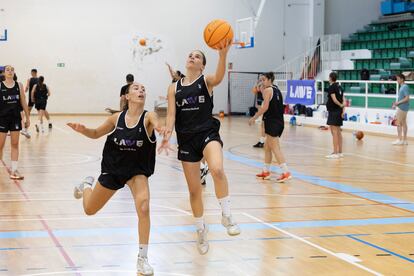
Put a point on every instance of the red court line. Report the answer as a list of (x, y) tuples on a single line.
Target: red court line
[(47, 228), (57, 243), (16, 182)]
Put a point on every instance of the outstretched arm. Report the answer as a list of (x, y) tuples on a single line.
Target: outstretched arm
[(96, 133), (214, 80), (267, 94)]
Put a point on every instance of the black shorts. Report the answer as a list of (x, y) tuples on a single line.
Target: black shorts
[(40, 105), (273, 128), (10, 123), (191, 145), (335, 118), (114, 182)]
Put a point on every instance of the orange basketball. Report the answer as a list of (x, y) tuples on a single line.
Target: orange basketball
[(142, 42), (217, 32), (359, 135)]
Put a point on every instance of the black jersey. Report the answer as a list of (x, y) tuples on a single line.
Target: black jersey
[(129, 151), (194, 107), (41, 93), (276, 109), (10, 100), (32, 83)]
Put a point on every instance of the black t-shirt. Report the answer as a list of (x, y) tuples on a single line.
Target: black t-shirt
[(10, 100), (32, 83), (41, 93), (336, 89), (276, 108), (129, 151), (123, 90), (194, 107)]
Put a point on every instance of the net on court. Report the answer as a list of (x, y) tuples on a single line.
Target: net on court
[(240, 94)]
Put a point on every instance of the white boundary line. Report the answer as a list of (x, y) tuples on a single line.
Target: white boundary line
[(156, 205), (100, 271), (337, 255)]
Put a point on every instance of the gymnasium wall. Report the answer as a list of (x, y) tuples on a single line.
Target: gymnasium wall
[(347, 16), (94, 41)]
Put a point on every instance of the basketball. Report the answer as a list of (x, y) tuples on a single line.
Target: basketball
[(142, 42), (217, 32), (359, 135)]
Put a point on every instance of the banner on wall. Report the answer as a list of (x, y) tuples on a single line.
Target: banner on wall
[(300, 92)]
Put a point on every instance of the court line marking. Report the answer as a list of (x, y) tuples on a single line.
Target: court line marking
[(344, 188), (102, 271), (314, 245), (353, 154), (381, 248), (156, 205), (86, 159)]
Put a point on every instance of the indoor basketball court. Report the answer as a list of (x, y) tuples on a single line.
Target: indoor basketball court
[(311, 210)]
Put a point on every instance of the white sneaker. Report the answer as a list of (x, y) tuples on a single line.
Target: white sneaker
[(86, 183), (25, 133), (405, 142), (202, 242), (332, 156), (15, 175), (398, 143), (143, 267), (341, 155), (232, 228)]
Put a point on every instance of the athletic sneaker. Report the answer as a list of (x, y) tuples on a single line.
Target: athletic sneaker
[(202, 242), (332, 156), (232, 228), (405, 142), (25, 133), (86, 183), (283, 177), (50, 125), (15, 175), (263, 175), (341, 155), (259, 145), (203, 174), (398, 143), (143, 267), (37, 128)]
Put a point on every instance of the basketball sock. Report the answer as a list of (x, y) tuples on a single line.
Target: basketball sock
[(266, 167), (262, 140), (143, 250), (225, 206), (284, 168), (14, 165), (199, 223)]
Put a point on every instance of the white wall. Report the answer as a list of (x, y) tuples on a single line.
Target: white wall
[(93, 39), (347, 16)]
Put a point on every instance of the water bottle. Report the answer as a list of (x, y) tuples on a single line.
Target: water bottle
[(358, 117), (377, 118), (366, 118)]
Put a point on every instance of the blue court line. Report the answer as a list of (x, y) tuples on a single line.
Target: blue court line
[(382, 249), (213, 228), (345, 188)]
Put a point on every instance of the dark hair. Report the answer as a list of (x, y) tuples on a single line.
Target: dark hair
[(125, 108), (401, 76), (204, 57), (129, 78), (333, 76), (269, 76), (34, 70), (41, 82), (15, 77)]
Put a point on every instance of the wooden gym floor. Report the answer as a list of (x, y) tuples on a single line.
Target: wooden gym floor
[(335, 217)]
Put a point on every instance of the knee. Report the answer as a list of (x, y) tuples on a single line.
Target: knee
[(89, 211), (195, 193), (14, 144), (143, 207), (217, 172)]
